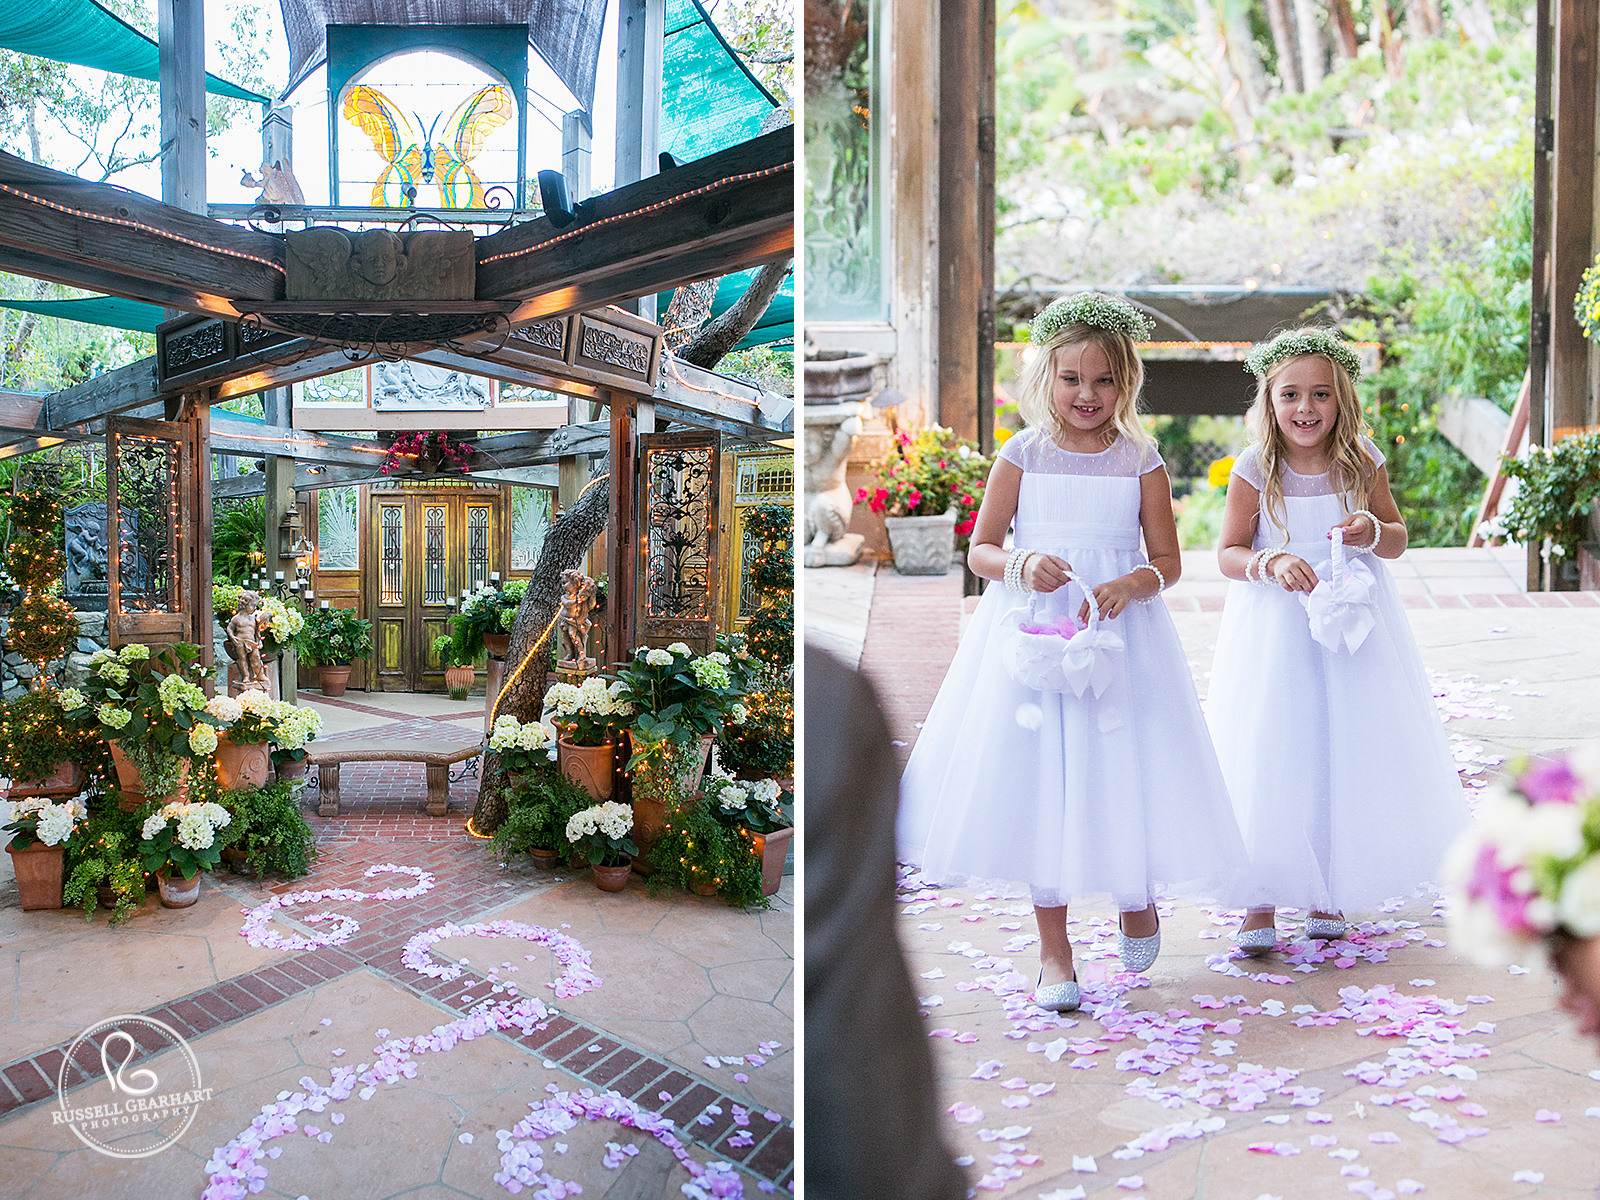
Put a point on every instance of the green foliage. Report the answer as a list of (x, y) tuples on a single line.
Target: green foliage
[(104, 853), (540, 808), (238, 538), (452, 648), (1200, 516), (764, 742), (488, 611), (268, 826), (1560, 484), (336, 636), (37, 736), (678, 697), (696, 847), (926, 475)]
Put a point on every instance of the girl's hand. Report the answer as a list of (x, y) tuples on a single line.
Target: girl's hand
[(1359, 532), (1045, 572), (1293, 574), (1113, 598)]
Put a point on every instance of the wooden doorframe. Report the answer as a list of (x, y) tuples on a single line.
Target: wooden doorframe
[(190, 552)]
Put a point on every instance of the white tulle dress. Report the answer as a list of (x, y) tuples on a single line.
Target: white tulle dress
[(1337, 762), (1075, 797)]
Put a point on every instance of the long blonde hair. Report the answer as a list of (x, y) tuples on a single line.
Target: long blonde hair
[(1348, 461), (1127, 373)]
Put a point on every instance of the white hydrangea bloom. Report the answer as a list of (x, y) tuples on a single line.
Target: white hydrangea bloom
[(255, 702), (71, 698), (55, 824), (1579, 905), (658, 658), (225, 708), (680, 648), (203, 739)]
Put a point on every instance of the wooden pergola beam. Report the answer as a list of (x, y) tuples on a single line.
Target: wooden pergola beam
[(57, 226), (231, 434)]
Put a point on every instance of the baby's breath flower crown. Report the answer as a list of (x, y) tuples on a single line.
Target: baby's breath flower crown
[(1111, 313), (1295, 345)]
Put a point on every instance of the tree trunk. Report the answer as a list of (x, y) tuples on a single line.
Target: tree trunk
[(713, 343), (1288, 49), (1244, 56), (1389, 39), (1344, 29), (1313, 52), (1422, 19), (1229, 90), (567, 541)]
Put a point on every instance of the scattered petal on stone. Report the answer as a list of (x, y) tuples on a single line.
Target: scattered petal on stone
[(1384, 1139), (1544, 1114), (465, 1139), (327, 1020), (1086, 1165), (1409, 1187), (1132, 1182), (1528, 1177), (1076, 1193)]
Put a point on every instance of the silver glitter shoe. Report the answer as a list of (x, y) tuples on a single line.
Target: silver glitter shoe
[(1058, 997), (1325, 929), (1138, 954), (1256, 942)]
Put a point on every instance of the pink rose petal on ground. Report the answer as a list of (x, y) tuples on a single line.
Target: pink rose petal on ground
[(1409, 1187), (1044, 1089), (1132, 1182), (1384, 1139), (1528, 1177), (327, 1020), (966, 1039), (741, 1077), (987, 1070), (1470, 1109), (1016, 1102), (1319, 1118), (949, 1033), (1544, 1114), (964, 1113), (1323, 1140)]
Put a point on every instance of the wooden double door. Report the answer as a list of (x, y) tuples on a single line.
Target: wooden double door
[(423, 553)]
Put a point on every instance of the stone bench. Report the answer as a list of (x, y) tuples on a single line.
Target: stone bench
[(437, 754)]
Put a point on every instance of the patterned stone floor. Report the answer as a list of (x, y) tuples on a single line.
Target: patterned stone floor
[(687, 983)]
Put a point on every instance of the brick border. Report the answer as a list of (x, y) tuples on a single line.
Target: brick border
[(563, 1040)]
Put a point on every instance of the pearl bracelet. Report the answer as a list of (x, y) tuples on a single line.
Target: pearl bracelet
[(1266, 561), (1161, 581), (1014, 566), (1253, 565), (1377, 532)]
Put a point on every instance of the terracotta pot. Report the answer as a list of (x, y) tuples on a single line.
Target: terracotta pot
[(458, 681), (130, 783), (178, 892), (65, 780), (335, 678), (545, 860), (242, 766), (38, 875), (108, 897), (497, 643), (292, 770), (611, 879), (773, 849), (702, 887), (587, 766), (239, 862)]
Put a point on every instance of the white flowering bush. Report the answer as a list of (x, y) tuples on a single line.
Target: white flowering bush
[(181, 837), (39, 819), (1529, 867), (752, 802), (679, 696), (522, 745), (253, 716), (588, 712), (603, 833), (282, 624)]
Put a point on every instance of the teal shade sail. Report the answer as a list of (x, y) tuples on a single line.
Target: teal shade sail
[(110, 311), (709, 98), (776, 324), (83, 33)]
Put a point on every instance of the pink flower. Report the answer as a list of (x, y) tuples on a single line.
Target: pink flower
[(1491, 883), (1544, 782)]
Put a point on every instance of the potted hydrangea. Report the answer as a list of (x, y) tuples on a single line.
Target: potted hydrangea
[(602, 834), (334, 638), (39, 829), (586, 715), (181, 838), (251, 722), (523, 746), (459, 672), (152, 712), (752, 806)]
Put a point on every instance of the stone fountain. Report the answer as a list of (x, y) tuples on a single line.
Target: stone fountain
[(837, 384)]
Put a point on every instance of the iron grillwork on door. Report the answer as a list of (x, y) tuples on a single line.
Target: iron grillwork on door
[(678, 599), (150, 507)]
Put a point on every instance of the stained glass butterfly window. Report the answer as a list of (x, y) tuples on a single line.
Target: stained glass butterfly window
[(415, 159)]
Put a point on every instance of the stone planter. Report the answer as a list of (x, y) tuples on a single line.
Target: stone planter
[(833, 376), (291, 769), (38, 875), (922, 545), (545, 860), (458, 681), (242, 766), (131, 783), (773, 849), (611, 879), (587, 766), (178, 892), (65, 780), (497, 643), (335, 678)]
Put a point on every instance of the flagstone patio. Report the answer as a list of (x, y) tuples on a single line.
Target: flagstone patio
[(693, 1018), (1221, 1077)]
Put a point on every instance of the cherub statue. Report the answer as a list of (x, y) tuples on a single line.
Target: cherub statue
[(244, 642), (277, 183), (577, 603)]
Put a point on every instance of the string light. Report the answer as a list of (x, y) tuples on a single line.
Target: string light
[(591, 226), (142, 227)]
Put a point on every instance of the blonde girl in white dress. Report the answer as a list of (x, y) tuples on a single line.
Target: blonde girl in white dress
[(1325, 725), (1115, 787)]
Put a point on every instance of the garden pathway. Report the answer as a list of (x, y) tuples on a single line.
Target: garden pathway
[(1466, 1081), (687, 983)]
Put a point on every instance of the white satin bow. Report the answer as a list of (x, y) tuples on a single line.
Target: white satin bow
[(1086, 661), (1340, 609)]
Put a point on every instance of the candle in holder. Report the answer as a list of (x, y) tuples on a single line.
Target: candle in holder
[(280, 577), (324, 604)]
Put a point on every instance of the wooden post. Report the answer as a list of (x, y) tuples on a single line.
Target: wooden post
[(576, 136), (641, 38), (201, 608), (986, 118), (1539, 333), (182, 67), (622, 543), (960, 256)]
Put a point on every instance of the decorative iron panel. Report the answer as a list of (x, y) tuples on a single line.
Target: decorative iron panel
[(191, 350), (477, 547), (433, 584), (678, 515), (393, 525), (749, 596), (147, 505)]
